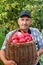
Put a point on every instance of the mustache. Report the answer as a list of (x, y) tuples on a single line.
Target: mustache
[(24, 25)]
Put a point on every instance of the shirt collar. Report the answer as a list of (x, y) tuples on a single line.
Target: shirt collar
[(29, 31)]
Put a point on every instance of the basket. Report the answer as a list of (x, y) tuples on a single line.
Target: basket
[(22, 54)]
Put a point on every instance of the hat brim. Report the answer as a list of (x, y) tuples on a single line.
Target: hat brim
[(25, 15)]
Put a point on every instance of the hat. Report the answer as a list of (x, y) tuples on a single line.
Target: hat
[(23, 13)]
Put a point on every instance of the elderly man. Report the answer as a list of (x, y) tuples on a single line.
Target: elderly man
[(24, 22)]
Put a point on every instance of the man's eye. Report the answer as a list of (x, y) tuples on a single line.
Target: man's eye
[(27, 19), (22, 19)]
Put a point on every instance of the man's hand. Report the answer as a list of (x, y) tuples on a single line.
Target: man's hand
[(39, 52), (4, 60), (9, 62), (37, 58)]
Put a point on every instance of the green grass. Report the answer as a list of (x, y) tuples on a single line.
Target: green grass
[(2, 36), (1, 40), (41, 59)]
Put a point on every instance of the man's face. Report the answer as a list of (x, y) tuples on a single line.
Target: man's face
[(24, 22)]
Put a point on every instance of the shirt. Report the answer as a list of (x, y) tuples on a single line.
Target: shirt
[(35, 34)]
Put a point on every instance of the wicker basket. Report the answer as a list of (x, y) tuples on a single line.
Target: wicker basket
[(22, 54)]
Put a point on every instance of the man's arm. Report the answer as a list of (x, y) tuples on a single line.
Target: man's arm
[(4, 60), (40, 42), (2, 52), (2, 56), (40, 51), (40, 45)]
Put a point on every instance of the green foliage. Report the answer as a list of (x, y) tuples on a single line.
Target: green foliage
[(41, 59), (9, 13), (1, 63), (42, 32), (2, 36), (10, 9)]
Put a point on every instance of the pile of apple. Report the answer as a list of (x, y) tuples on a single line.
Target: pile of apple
[(21, 37)]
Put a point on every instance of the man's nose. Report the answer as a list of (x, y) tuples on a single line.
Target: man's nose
[(24, 21)]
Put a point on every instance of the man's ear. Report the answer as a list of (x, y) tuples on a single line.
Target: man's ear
[(18, 21), (31, 22)]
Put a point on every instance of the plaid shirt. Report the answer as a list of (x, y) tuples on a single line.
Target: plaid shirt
[(35, 34)]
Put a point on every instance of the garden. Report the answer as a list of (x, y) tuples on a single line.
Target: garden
[(9, 12)]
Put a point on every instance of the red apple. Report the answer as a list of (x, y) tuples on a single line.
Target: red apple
[(15, 41), (22, 40), (20, 36), (18, 33), (27, 37), (30, 39), (27, 40), (26, 34), (14, 36)]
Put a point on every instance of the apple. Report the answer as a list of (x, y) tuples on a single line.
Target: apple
[(21, 37), (14, 36), (15, 41), (18, 33), (26, 34), (27, 40), (21, 40), (27, 37)]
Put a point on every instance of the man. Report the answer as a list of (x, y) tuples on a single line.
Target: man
[(24, 21)]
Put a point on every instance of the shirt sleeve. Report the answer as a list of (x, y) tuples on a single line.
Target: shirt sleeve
[(4, 45), (39, 39), (5, 41)]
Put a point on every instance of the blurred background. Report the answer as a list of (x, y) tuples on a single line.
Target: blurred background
[(9, 12)]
